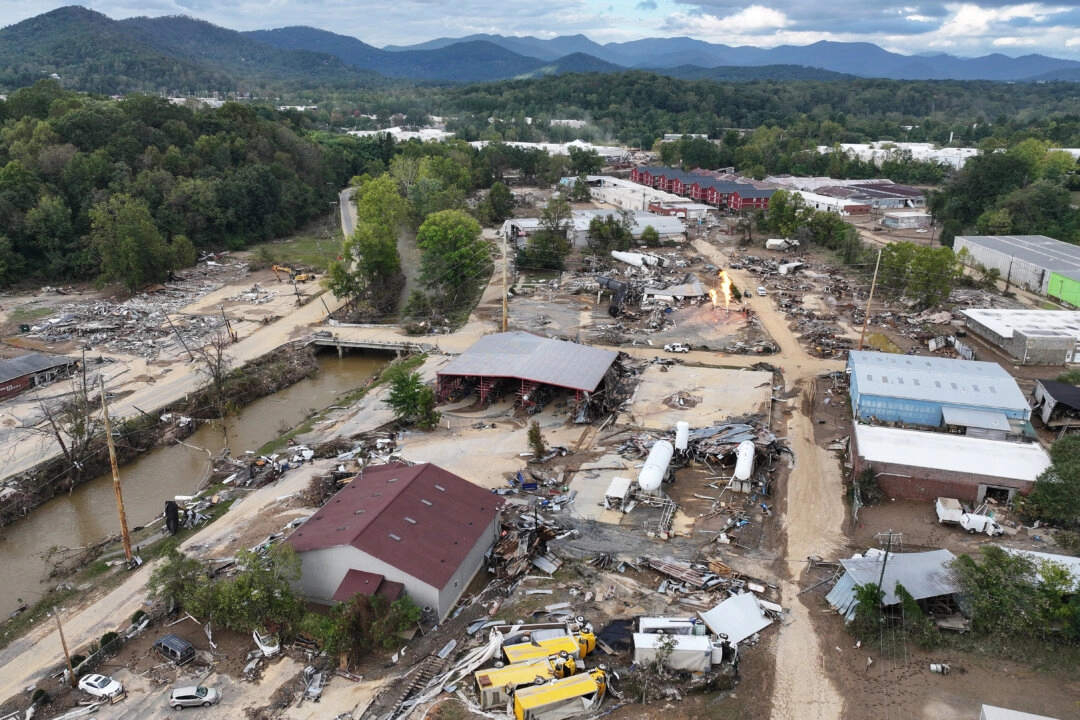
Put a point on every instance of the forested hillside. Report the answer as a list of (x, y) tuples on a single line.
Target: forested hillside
[(72, 166)]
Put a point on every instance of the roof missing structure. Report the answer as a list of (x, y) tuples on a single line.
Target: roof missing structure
[(420, 519), (531, 357), (924, 575), (965, 417)]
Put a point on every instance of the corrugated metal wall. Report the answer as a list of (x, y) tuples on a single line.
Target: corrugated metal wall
[(1028, 276), (1064, 289)]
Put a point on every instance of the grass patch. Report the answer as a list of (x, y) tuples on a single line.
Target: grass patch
[(310, 248), (30, 312), (38, 612)]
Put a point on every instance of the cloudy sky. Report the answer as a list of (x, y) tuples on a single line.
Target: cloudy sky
[(967, 29)]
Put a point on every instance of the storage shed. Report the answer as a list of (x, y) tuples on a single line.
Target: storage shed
[(914, 389), (926, 575), (1057, 404)]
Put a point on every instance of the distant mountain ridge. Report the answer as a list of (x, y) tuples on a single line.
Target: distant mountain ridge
[(177, 53), (858, 59)]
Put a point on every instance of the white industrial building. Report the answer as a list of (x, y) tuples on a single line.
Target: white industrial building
[(625, 194), (1030, 337), (1025, 261), (428, 134), (906, 219), (609, 153), (840, 206), (878, 152), (667, 227)]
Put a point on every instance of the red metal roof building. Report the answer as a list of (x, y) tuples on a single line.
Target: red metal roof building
[(419, 525)]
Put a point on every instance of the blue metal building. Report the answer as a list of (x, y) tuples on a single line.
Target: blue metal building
[(917, 390)]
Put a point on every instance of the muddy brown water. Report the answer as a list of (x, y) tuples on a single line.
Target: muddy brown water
[(89, 513)]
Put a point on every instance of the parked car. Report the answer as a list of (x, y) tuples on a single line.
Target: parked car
[(100, 685), (761, 291), (193, 696), (922, 230), (677, 348)]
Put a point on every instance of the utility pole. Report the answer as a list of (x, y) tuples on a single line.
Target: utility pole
[(178, 337), (1008, 275), (63, 643), (115, 474), (228, 325), (506, 309), (869, 300)]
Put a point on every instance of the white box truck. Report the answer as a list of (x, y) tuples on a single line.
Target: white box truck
[(949, 510)]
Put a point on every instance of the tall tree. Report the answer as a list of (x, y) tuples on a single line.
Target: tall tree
[(455, 258), (132, 250)]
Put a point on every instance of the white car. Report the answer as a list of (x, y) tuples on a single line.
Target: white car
[(922, 230), (761, 291), (677, 348), (100, 685)]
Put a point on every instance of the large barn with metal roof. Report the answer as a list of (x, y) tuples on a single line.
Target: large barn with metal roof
[(524, 364), (916, 390), (413, 528)]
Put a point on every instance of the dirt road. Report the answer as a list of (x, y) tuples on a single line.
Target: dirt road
[(812, 519)]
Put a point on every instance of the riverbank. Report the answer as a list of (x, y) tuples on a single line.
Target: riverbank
[(85, 457)]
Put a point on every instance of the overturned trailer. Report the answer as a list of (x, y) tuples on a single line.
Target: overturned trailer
[(561, 699)]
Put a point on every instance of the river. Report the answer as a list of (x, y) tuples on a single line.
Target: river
[(89, 513)]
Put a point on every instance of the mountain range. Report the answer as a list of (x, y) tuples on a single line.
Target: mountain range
[(177, 53)]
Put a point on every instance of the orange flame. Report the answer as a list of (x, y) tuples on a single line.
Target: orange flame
[(725, 288), (712, 296)]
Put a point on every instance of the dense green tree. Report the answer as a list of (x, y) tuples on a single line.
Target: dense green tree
[(1056, 495), (455, 260), (132, 250), (412, 401), (610, 232), (500, 200)]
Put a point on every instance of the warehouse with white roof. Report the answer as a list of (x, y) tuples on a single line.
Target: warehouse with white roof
[(916, 465), (915, 390), (1036, 263), (1030, 337)]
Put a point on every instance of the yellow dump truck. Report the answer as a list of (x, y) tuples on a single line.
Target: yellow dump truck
[(560, 699), (577, 645)]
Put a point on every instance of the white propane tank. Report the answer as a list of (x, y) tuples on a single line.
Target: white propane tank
[(744, 460), (656, 465), (682, 435), (635, 259)]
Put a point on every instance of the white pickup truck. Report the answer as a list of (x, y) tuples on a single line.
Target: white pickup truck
[(677, 348)]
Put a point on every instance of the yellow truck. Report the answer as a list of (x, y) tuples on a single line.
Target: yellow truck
[(577, 645), (497, 685), (560, 699)]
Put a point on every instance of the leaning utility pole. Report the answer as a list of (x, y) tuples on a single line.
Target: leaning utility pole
[(873, 284), (506, 310), (63, 643), (115, 474)]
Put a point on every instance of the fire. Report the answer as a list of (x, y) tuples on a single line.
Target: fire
[(712, 296), (725, 288)]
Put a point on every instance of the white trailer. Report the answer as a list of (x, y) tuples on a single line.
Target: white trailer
[(949, 510)]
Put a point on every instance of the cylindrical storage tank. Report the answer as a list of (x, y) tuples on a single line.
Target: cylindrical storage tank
[(635, 259), (682, 435), (744, 460), (656, 465)]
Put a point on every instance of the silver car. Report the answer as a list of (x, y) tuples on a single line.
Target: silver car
[(193, 696)]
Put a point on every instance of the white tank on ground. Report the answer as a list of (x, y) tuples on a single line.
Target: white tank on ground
[(744, 460), (682, 435), (656, 466)]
